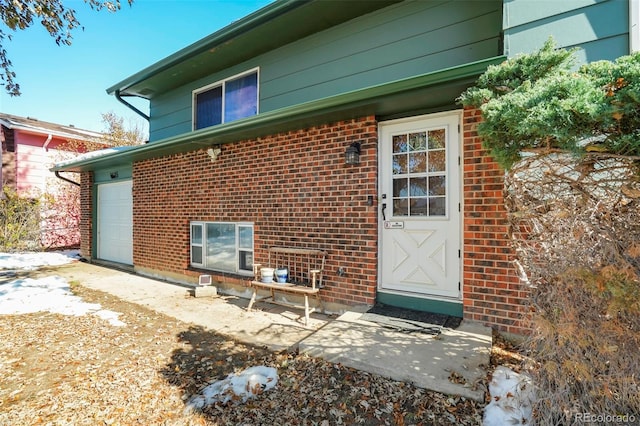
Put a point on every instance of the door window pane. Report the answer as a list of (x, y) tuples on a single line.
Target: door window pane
[(419, 207), (419, 166), (437, 206), (417, 141), (401, 207), (418, 162), (399, 164), (399, 143), (400, 187), (418, 187), (437, 161), (437, 139), (437, 185)]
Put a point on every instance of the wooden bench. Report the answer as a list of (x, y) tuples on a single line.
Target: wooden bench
[(305, 267)]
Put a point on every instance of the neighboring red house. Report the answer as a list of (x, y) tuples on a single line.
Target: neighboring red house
[(29, 148)]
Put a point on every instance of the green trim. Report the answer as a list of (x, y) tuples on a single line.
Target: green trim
[(273, 26), (94, 221), (267, 13), (420, 304), (385, 99)]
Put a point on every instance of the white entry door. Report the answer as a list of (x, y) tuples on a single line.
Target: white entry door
[(115, 222), (420, 206)]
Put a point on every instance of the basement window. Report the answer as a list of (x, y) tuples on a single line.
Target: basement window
[(225, 101), (222, 246)]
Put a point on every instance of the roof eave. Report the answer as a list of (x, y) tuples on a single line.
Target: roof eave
[(242, 25)]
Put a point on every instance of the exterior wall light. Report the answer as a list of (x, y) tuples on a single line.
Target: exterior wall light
[(352, 154)]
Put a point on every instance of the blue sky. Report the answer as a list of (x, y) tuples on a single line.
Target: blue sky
[(66, 84)]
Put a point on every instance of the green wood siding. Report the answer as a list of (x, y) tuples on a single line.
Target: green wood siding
[(600, 28), (397, 42)]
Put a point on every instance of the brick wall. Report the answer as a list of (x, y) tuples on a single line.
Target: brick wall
[(294, 187), (298, 192), (86, 214), (492, 290)]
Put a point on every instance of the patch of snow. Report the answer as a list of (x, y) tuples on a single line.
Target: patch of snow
[(512, 398), (49, 294), (110, 316), (236, 387), (32, 261)]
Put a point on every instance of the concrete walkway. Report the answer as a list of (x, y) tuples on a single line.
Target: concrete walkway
[(421, 359)]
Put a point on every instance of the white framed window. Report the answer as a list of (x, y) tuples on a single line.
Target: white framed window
[(227, 100), (222, 246), (634, 23)]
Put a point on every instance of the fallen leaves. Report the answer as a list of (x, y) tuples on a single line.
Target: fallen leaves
[(82, 370)]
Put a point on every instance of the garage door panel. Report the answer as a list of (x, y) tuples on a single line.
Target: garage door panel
[(115, 222)]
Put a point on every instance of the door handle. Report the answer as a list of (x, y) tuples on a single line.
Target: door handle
[(384, 206)]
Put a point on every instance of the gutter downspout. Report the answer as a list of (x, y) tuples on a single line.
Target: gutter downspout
[(131, 107), (47, 142), (57, 173)]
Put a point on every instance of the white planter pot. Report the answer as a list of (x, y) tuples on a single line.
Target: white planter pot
[(266, 275)]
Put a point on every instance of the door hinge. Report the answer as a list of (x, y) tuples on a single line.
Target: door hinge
[(459, 207), (459, 286), (458, 127), (459, 253)]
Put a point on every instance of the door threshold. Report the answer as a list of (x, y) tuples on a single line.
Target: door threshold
[(421, 304)]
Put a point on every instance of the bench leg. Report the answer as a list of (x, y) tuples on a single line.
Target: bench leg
[(306, 310), (253, 299)]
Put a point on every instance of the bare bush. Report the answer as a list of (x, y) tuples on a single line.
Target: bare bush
[(575, 224), (19, 221)]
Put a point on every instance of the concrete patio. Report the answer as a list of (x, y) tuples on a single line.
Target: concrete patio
[(453, 362)]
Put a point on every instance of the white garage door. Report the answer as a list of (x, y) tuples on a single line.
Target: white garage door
[(115, 222)]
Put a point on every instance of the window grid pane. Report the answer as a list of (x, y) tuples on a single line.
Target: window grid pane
[(419, 173)]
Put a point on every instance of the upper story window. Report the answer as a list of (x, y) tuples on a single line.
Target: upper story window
[(225, 101)]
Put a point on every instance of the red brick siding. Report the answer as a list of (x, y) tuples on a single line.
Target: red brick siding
[(86, 214), (493, 293), (298, 192), (294, 187)]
